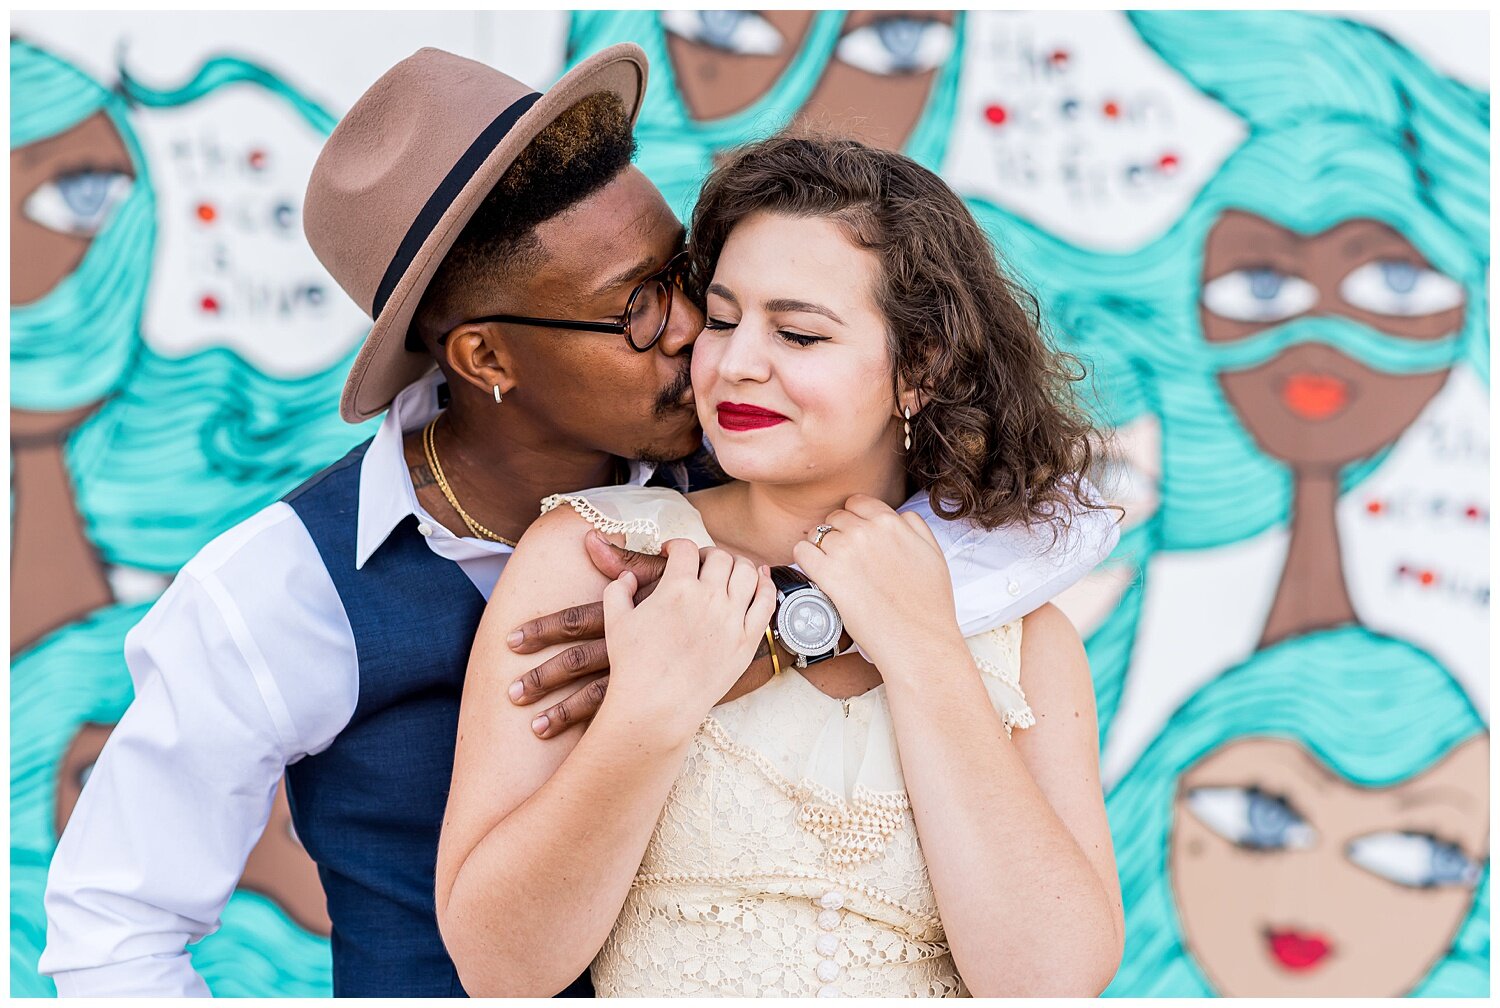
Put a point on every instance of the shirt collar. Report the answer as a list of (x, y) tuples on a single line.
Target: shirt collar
[(386, 494)]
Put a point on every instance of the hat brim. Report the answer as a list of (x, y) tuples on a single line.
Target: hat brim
[(384, 365)]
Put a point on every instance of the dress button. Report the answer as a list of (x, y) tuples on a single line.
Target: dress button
[(827, 945), (424, 529), (832, 900), (829, 991), (1013, 588), (828, 920), (828, 971)]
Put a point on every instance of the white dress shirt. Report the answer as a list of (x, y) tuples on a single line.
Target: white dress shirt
[(224, 702)]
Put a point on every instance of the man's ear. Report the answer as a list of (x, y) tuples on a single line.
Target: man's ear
[(478, 354)]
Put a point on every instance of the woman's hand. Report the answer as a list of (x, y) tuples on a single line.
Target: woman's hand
[(675, 654), (887, 575)]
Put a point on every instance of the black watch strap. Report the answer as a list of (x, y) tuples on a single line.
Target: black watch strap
[(787, 578)]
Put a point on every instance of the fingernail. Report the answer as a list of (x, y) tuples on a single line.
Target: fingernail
[(516, 689), (540, 724), (514, 638)]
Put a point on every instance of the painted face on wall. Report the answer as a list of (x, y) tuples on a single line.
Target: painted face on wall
[(62, 190), (1291, 880), (874, 87), (1385, 337)]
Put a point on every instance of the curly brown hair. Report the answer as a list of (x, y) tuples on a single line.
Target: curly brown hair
[(1001, 436)]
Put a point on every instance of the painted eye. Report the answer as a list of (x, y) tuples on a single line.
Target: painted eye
[(743, 33), (1258, 295), (1396, 287), (897, 45), (1248, 817), (1418, 860), (78, 203)]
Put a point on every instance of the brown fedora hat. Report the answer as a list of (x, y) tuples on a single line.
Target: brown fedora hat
[(403, 172)]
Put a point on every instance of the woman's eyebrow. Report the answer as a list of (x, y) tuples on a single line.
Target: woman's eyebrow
[(793, 305), (723, 292)]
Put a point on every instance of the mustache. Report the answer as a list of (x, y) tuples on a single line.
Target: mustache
[(671, 396)]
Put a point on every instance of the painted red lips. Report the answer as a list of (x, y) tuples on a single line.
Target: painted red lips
[(1315, 396), (1297, 951), (739, 416)]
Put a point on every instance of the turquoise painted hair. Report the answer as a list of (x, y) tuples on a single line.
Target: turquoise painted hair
[(676, 150), (1374, 710)]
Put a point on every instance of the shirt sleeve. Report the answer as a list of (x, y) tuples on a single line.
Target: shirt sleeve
[(183, 788), (1033, 578), (1001, 574)]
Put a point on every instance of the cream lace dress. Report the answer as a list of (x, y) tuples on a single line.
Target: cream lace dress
[(786, 861)]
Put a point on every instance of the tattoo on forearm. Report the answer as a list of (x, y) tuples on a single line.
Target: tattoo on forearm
[(421, 476), (764, 651)]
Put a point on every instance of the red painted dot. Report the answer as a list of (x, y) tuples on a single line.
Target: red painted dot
[(206, 212), (1427, 578), (209, 303), (257, 159), (1112, 109), (1471, 511), (995, 114), (1059, 57), (1167, 162), (1374, 507)]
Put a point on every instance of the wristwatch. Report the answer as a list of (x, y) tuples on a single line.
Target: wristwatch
[(806, 622)]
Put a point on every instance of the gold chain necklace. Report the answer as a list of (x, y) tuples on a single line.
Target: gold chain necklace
[(429, 445)]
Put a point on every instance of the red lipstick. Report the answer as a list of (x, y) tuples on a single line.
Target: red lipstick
[(739, 416), (1298, 951)]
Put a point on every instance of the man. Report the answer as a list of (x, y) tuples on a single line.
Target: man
[(504, 235)]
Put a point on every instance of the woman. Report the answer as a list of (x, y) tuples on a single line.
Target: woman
[(1289, 835), (860, 342)]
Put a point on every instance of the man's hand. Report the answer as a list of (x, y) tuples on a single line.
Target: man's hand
[(583, 625)]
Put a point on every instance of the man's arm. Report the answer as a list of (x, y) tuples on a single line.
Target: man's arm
[(584, 624), (184, 786), (1016, 571), (1011, 574)]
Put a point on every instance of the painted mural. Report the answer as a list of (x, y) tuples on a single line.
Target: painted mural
[(1265, 233)]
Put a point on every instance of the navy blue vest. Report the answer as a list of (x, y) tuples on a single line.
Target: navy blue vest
[(369, 808)]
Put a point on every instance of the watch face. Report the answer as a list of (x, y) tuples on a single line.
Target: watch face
[(809, 623)]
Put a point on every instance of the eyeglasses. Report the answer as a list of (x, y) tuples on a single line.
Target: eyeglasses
[(647, 311)]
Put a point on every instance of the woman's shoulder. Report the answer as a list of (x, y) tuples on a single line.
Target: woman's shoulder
[(645, 516)]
